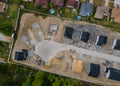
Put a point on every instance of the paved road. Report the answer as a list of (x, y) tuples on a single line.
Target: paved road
[(49, 48), (5, 38)]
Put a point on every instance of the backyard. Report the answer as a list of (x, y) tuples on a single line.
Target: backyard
[(12, 10), (4, 50), (8, 18), (67, 13), (99, 2), (32, 6), (7, 23), (110, 25)]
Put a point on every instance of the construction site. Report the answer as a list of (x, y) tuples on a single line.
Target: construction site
[(68, 48)]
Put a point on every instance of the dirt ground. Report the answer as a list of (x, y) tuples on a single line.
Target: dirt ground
[(64, 67), (33, 29)]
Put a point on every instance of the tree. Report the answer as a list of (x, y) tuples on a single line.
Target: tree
[(51, 77), (39, 79), (27, 82), (52, 5), (6, 27)]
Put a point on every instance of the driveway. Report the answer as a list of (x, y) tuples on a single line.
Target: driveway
[(48, 49)]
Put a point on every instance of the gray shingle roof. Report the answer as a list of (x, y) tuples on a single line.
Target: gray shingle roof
[(86, 8)]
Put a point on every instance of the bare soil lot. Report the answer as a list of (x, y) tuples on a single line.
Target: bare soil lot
[(65, 68), (34, 35)]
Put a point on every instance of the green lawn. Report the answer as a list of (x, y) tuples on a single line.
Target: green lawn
[(32, 6), (12, 10), (99, 2), (84, 1), (110, 25), (69, 14), (111, 5), (107, 24), (4, 50)]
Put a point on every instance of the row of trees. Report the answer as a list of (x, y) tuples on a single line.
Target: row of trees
[(13, 75), (47, 79)]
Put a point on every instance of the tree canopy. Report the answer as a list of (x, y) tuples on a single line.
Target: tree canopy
[(14, 75)]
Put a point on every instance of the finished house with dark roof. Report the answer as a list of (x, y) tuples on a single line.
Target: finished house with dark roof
[(73, 4), (58, 3), (101, 40), (86, 9), (42, 3)]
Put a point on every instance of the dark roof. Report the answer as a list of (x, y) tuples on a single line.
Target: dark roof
[(2, 0), (70, 3), (25, 52), (117, 45), (58, 3), (42, 3), (94, 70), (85, 36), (20, 56), (73, 3), (101, 40), (76, 4), (68, 32), (114, 74), (86, 8)]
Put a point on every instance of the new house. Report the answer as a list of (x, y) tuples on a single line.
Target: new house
[(84, 36), (68, 32), (116, 44), (101, 40), (112, 73)]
